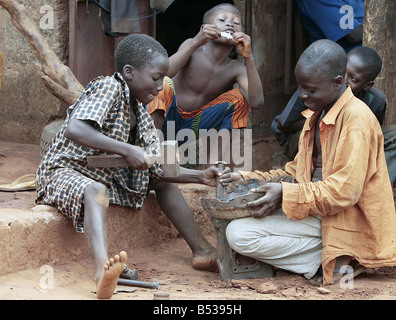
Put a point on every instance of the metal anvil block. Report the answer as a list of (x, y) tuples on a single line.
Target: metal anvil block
[(225, 204), (233, 265), (222, 211)]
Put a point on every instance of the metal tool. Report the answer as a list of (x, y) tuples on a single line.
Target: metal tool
[(219, 187), (141, 284)]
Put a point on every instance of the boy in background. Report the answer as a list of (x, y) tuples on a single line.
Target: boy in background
[(364, 65)]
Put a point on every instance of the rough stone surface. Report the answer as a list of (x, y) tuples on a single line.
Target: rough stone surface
[(34, 235)]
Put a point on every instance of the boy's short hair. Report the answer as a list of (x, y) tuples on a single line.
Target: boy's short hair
[(137, 50), (222, 6), (370, 59), (326, 56)]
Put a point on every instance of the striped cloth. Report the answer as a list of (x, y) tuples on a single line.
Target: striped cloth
[(229, 111)]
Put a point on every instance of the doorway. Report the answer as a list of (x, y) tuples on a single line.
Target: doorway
[(181, 21)]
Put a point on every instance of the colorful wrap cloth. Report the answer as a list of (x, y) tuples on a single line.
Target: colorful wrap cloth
[(229, 111)]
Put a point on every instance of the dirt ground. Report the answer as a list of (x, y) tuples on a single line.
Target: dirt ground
[(170, 265)]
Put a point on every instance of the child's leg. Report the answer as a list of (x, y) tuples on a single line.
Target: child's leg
[(107, 270), (176, 209), (95, 207)]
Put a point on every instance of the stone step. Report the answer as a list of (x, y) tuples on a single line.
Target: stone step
[(35, 235)]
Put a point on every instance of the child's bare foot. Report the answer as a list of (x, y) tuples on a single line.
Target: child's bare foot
[(112, 270), (205, 260)]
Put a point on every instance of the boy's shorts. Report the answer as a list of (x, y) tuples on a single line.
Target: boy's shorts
[(229, 111)]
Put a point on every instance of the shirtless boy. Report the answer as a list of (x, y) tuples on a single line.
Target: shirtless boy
[(202, 77)]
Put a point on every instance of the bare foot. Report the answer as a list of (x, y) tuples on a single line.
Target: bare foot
[(112, 270), (205, 260)]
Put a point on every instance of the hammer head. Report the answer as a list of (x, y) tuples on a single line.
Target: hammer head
[(170, 161)]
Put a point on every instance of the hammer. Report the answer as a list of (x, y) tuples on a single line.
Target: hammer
[(169, 159)]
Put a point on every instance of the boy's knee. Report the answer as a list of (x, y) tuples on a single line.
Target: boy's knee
[(97, 192), (236, 236)]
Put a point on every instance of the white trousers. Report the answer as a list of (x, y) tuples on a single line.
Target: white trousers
[(293, 245)]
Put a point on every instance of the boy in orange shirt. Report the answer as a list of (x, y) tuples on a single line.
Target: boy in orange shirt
[(341, 208)]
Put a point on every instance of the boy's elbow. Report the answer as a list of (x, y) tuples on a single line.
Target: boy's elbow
[(72, 130), (68, 131), (257, 104)]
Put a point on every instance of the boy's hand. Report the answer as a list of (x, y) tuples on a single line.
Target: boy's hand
[(206, 33), (212, 174), (267, 204), (243, 44), (135, 158)]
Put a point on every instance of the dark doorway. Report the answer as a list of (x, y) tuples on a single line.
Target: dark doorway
[(181, 20)]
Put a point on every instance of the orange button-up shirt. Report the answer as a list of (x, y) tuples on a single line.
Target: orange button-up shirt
[(355, 197)]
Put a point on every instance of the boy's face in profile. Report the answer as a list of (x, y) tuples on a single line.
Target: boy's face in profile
[(357, 75), (145, 83), (316, 90)]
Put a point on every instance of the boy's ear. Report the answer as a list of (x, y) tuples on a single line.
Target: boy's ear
[(128, 71), (338, 81), (368, 85)]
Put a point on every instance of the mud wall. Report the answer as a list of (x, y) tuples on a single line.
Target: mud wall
[(25, 104)]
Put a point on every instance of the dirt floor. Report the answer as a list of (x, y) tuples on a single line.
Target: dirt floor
[(170, 265)]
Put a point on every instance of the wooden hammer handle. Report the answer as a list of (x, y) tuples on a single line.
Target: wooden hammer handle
[(106, 161)]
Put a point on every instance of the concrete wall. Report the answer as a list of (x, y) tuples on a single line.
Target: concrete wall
[(25, 104)]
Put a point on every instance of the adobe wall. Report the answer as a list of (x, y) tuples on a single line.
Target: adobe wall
[(25, 104)]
